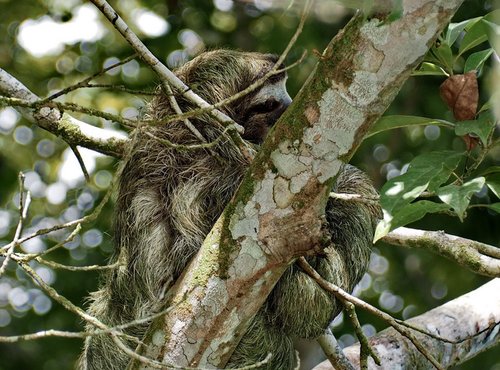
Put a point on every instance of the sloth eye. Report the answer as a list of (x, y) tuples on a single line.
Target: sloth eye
[(266, 107)]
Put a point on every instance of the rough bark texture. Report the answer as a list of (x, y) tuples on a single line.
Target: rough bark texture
[(71, 130), (478, 257), (472, 320), (277, 213)]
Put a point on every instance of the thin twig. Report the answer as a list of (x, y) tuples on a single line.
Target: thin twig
[(121, 88), (79, 158), (401, 327), (366, 349), (184, 147), (85, 82), (167, 75), (177, 110), (333, 351), (68, 239), (88, 218), (60, 266), (37, 105), (356, 198), (84, 334), (23, 210)]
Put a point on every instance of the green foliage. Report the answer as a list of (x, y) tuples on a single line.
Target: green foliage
[(448, 52), (428, 172), (458, 196), (483, 127), (493, 182), (495, 207), (425, 172), (476, 60)]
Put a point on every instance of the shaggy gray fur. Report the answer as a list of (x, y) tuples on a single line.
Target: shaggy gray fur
[(168, 201)]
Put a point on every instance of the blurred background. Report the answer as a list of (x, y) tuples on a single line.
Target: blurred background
[(51, 44)]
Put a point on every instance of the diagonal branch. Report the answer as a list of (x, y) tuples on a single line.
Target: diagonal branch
[(472, 321)]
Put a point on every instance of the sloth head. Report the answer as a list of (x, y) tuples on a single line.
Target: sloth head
[(220, 74)]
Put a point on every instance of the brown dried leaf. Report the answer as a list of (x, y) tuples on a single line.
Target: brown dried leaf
[(461, 94)]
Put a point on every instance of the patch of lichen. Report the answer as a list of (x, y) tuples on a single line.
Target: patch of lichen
[(227, 245), (337, 63), (208, 260), (73, 135)]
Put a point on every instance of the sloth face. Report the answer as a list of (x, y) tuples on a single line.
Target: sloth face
[(219, 74), (266, 107)]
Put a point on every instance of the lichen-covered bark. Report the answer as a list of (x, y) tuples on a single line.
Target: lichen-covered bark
[(471, 321), (278, 212), (71, 130), (478, 257)]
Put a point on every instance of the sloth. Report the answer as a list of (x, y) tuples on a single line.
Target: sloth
[(169, 199)]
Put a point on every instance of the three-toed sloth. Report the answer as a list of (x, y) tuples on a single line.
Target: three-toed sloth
[(169, 199)]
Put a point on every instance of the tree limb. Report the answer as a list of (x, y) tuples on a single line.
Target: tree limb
[(471, 321), (71, 130), (478, 257)]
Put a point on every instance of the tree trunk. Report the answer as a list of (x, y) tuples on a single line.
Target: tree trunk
[(277, 213)]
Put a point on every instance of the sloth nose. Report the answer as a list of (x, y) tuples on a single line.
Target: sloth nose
[(286, 100)]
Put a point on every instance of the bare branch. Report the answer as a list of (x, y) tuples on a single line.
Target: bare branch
[(79, 158), (396, 324), (162, 71), (333, 351), (86, 82), (478, 257), (60, 266), (366, 349), (166, 74), (71, 130), (472, 320), (24, 203), (40, 105), (355, 198)]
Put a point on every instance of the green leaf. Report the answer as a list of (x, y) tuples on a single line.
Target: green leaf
[(494, 206), (426, 171), (391, 122), (454, 29), (406, 215), (482, 127), (476, 60), (493, 35), (476, 35), (490, 170), (429, 57), (458, 196), (444, 54), (486, 106), (429, 69), (478, 32), (493, 182)]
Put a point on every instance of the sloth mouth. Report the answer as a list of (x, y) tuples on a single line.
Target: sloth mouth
[(258, 124)]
